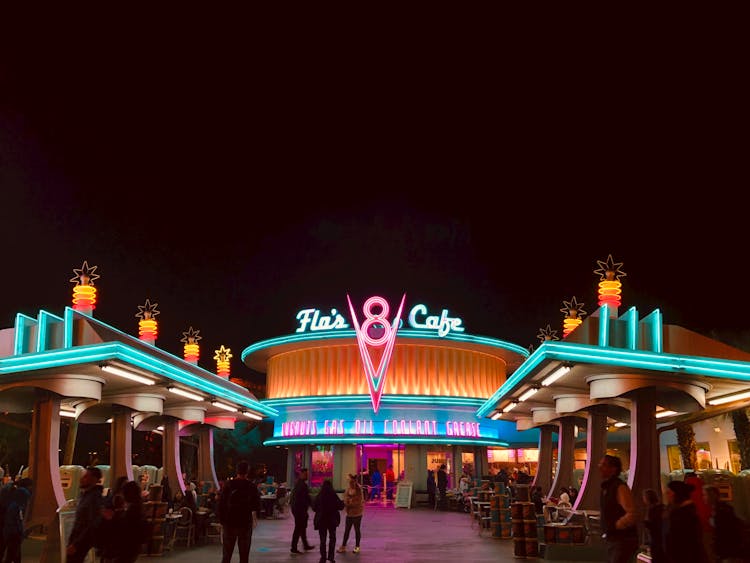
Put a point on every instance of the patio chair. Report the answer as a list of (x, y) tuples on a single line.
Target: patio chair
[(184, 529)]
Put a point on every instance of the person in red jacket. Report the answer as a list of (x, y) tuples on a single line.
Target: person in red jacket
[(390, 482), (701, 507)]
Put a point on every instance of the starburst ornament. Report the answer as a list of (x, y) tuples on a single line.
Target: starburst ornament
[(573, 315), (191, 350), (547, 333), (610, 287), (147, 326), (222, 357), (84, 292)]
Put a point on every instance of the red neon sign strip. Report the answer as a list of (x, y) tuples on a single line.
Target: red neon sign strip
[(376, 377)]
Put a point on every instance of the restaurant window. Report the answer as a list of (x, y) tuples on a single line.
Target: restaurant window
[(467, 463), (322, 465)]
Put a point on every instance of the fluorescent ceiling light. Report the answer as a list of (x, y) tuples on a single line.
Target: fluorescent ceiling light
[(127, 374), (160, 428), (252, 415), (662, 414), (70, 414), (555, 375), (497, 415), (620, 424), (229, 408), (108, 421), (188, 394), (730, 398), (510, 406), (528, 393)]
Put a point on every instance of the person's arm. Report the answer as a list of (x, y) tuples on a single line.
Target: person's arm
[(625, 499)]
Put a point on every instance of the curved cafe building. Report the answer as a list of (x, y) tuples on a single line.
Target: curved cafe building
[(384, 383)]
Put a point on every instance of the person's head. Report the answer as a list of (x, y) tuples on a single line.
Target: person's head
[(178, 496), (650, 497), (131, 492), (90, 477), (243, 468), (327, 487), (564, 490), (24, 482), (678, 492), (121, 480), (610, 466), (303, 473), (711, 495), (442, 466)]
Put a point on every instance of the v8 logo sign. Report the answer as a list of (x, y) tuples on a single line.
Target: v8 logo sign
[(376, 338)]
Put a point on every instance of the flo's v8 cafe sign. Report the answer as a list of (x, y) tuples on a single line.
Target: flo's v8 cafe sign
[(377, 330)]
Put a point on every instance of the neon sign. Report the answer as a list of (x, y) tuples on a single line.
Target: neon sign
[(386, 340), (389, 427), (312, 320)]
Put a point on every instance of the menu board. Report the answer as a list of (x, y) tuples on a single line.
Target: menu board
[(403, 494)]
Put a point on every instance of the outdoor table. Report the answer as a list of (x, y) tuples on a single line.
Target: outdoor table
[(268, 501), (170, 521)]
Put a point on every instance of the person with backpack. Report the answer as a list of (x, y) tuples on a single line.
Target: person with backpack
[(239, 503)]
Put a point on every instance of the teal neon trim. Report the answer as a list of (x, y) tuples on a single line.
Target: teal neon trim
[(381, 439), (402, 333), (22, 325), (569, 352), (118, 351), (43, 332), (337, 400), (631, 330), (68, 334), (604, 325), (654, 323)]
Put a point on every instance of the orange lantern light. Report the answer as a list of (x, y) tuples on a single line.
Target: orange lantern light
[(191, 350), (610, 287), (84, 292), (222, 357), (573, 315), (147, 326)]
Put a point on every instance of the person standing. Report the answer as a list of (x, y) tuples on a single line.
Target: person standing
[(390, 482), (301, 502), (6, 492), (376, 480), (653, 523), (618, 515), (130, 526), (239, 504), (88, 516), (727, 528), (442, 485), (327, 507), (13, 532), (683, 540), (354, 503), (431, 487)]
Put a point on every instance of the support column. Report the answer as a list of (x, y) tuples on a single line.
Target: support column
[(565, 456), (171, 454), (121, 445), (543, 477), (596, 447), (206, 470), (644, 445)]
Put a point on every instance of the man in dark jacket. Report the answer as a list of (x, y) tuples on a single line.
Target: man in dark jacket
[(13, 531), (618, 514), (442, 485), (88, 516), (301, 502), (239, 504)]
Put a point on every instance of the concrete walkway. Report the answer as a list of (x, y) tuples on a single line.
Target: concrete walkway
[(392, 535)]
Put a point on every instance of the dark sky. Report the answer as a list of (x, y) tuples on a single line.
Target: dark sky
[(235, 185)]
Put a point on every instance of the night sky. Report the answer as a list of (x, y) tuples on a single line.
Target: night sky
[(235, 186)]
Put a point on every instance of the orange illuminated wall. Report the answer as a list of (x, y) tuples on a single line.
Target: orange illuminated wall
[(414, 370)]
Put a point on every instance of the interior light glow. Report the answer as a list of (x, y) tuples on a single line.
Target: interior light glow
[(188, 394), (528, 393), (127, 374), (730, 398), (509, 407), (252, 415), (662, 414), (555, 375), (620, 424), (229, 408)]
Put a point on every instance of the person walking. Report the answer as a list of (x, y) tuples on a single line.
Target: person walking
[(301, 502), (442, 485), (683, 538), (327, 508), (130, 526), (239, 504), (727, 534), (13, 531), (654, 525), (88, 516), (618, 515), (354, 503)]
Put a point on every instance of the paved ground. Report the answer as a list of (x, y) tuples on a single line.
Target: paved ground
[(393, 535)]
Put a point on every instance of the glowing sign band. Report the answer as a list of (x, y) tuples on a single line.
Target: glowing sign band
[(388, 427), (312, 319), (443, 324), (377, 321)]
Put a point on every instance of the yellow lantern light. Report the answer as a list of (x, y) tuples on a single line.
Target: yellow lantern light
[(191, 350), (610, 288), (84, 292), (573, 315), (147, 326), (222, 357)]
